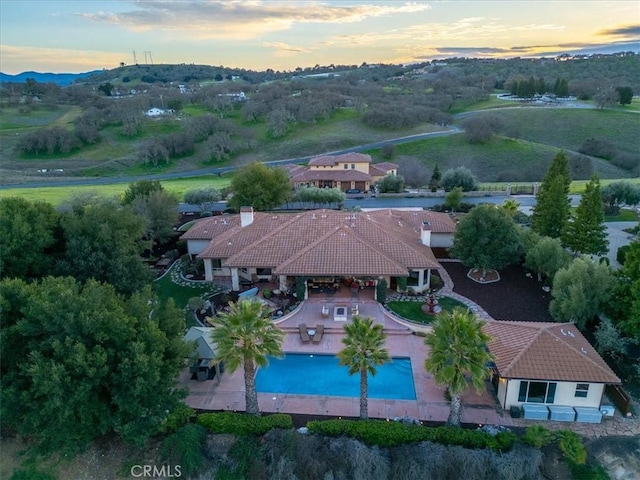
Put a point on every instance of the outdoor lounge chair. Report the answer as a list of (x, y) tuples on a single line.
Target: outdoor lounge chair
[(304, 334), (325, 311), (318, 335)]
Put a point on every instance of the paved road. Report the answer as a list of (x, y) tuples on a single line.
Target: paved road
[(221, 170)]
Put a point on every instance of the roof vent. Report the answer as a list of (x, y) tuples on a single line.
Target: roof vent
[(583, 350), (571, 334), (313, 216), (563, 332)]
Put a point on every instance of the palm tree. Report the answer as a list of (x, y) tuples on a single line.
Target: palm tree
[(246, 336), (458, 356), (363, 352)]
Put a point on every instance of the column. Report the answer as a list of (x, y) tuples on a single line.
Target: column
[(235, 280)]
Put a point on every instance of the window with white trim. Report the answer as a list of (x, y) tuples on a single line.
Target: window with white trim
[(582, 390)]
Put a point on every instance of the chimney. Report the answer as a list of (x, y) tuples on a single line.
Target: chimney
[(425, 234), (246, 216)]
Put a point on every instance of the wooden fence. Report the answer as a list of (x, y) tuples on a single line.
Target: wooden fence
[(621, 398)]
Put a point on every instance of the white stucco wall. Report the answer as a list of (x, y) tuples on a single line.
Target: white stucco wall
[(565, 394), (441, 240)]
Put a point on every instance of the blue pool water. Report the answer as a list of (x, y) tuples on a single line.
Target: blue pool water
[(305, 374)]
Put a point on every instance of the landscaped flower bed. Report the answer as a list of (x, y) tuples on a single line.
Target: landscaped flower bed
[(413, 310)]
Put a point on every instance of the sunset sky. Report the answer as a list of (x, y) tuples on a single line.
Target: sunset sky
[(78, 36)]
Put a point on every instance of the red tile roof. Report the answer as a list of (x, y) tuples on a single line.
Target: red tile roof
[(329, 242), (546, 351), (335, 175), (208, 228), (438, 222)]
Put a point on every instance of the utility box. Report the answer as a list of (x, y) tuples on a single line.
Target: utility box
[(560, 413), (533, 411), (607, 410)]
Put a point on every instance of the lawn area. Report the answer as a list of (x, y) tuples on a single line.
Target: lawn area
[(413, 310), (623, 215), (57, 195), (171, 285)]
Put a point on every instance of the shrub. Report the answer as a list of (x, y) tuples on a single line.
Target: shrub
[(572, 447), (402, 283), (538, 436), (622, 254), (195, 304), (205, 214), (598, 147), (185, 447), (266, 293), (31, 474), (435, 281), (458, 177), (243, 424), (177, 418), (381, 291), (390, 184), (391, 434)]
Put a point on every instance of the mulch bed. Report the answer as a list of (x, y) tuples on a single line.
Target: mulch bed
[(514, 297)]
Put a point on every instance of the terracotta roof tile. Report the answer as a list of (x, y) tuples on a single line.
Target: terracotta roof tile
[(210, 227), (438, 222), (295, 242), (546, 351), (335, 175)]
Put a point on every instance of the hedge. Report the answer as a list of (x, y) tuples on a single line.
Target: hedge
[(391, 434), (243, 424)]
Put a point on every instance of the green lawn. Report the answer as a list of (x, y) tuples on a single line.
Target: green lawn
[(57, 195), (413, 310), (624, 215), (168, 287)]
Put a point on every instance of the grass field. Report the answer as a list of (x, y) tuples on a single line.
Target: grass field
[(57, 195), (568, 128)]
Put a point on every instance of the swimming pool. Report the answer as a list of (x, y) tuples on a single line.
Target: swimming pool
[(306, 374)]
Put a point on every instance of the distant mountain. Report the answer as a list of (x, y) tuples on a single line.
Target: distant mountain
[(61, 79)]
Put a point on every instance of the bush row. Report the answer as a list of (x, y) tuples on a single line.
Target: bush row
[(243, 424), (391, 434)]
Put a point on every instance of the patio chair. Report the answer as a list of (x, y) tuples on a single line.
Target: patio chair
[(325, 311), (354, 309), (304, 334), (318, 335)]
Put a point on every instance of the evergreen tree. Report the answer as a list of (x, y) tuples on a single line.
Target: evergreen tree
[(585, 232), (436, 176), (551, 210)]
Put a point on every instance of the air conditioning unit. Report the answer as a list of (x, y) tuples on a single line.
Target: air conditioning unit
[(607, 410)]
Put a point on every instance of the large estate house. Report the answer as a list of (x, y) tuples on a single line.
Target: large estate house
[(350, 171), (322, 246)]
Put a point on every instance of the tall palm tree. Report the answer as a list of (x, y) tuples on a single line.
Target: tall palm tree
[(246, 336), (458, 356), (363, 352)]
